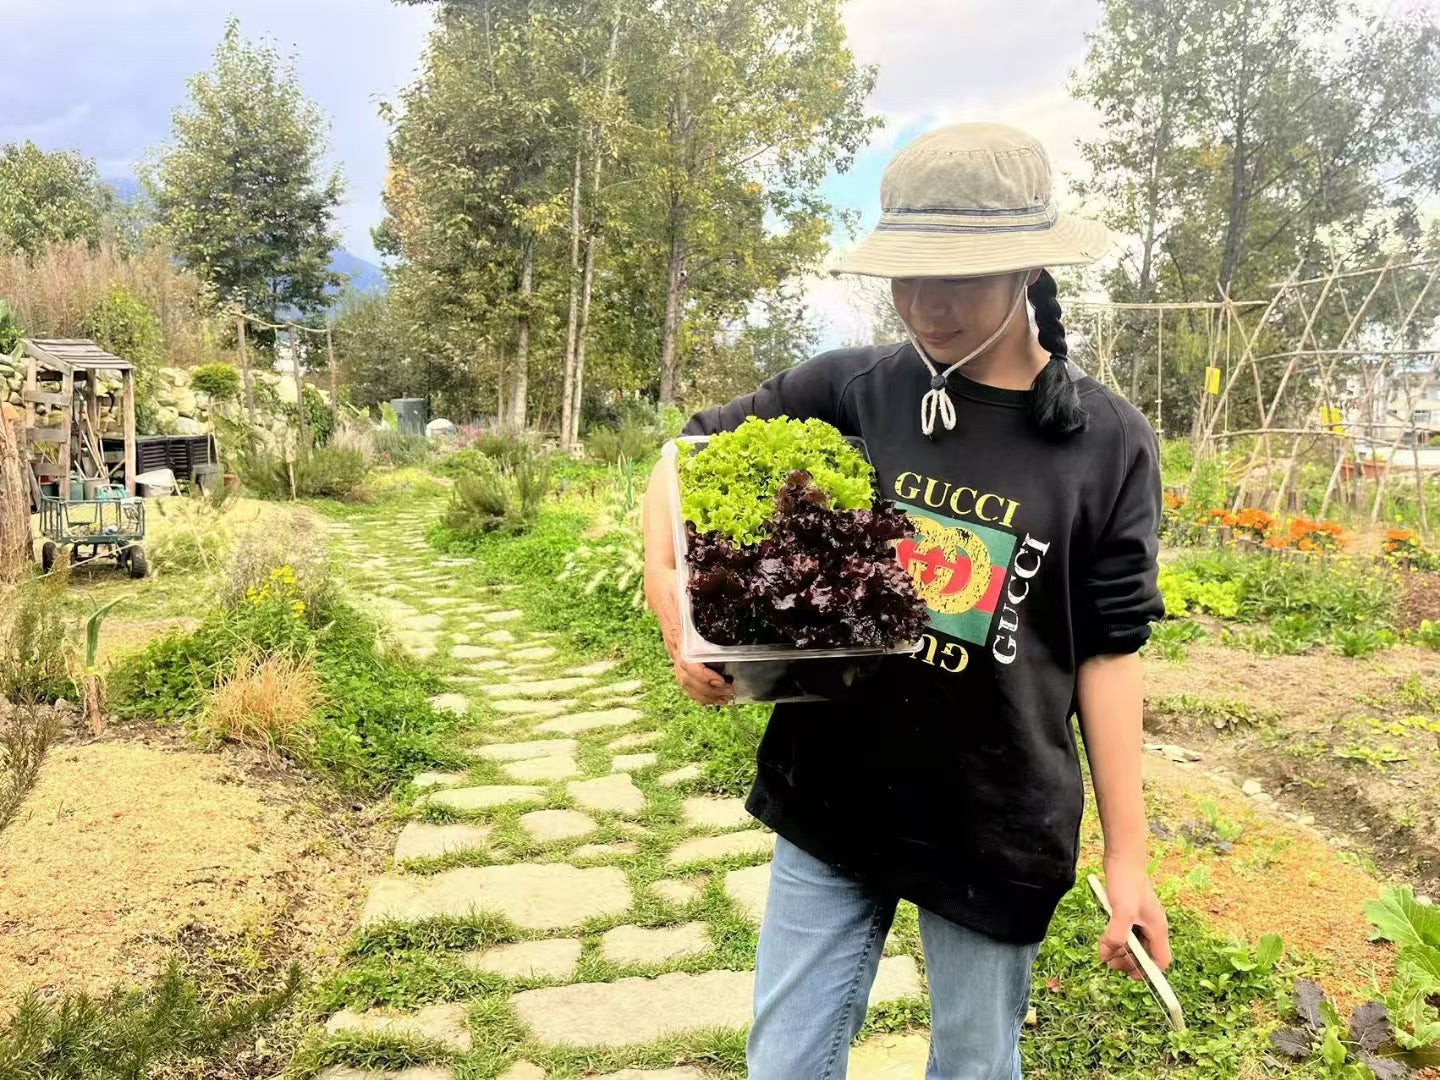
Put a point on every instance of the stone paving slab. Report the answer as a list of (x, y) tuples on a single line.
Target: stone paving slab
[(599, 667), (533, 652), (547, 826), (897, 979), (498, 637), (680, 892), (708, 812), (525, 751), (575, 723), (424, 622), (639, 945), (627, 763), (535, 896), (617, 793), (890, 1057), (633, 1012), (485, 796), (475, 652), (501, 616), (447, 1024), (420, 840), (520, 707), (414, 1072), (623, 687), (676, 777), (439, 779), (555, 958), (748, 842), (681, 1072), (452, 703), (536, 687), (749, 888), (635, 741), (604, 851), (556, 767), (523, 1070)]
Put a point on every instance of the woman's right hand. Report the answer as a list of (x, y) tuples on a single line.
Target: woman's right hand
[(698, 681), (662, 585)]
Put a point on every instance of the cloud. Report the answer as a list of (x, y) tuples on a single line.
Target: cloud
[(125, 63)]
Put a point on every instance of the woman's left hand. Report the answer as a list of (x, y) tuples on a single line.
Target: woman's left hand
[(1133, 904)]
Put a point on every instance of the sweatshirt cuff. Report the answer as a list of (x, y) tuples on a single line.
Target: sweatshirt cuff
[(1116, 641)]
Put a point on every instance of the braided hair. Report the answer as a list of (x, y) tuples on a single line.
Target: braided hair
[(1055, 405)]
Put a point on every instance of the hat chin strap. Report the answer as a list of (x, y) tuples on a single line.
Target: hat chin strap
[(936, 402)]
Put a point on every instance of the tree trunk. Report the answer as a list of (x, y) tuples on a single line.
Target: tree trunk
[(245, 373), (15, 542), (567, 401), (520, 374), (588, 280), (669, 341)]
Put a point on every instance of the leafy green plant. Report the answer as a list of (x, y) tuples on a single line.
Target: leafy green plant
[(1361, 1050), (1172, 638), (613, 564), (1184, 592), (127, 1033), (10, 332), (1362, 641), (1428, 634), (489, 497), (24, 737), (1414, 995), (335, 472), (729, 486), (221, 381), (1219, 713)]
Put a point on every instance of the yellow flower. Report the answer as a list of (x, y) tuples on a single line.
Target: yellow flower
[(298, 608)]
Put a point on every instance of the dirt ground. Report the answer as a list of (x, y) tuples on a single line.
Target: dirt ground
[(134, 845), (1354, 743)]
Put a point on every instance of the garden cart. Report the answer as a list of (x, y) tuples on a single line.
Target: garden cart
[(82, 488)]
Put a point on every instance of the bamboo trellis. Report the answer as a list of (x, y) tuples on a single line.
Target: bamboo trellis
[(1366, 366)]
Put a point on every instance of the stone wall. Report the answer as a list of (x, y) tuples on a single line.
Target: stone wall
[(178, 408)]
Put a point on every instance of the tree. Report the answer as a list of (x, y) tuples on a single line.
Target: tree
[(52, 198), (241, 191)]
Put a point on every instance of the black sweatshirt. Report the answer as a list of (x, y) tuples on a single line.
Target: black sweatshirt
[(951, 778)]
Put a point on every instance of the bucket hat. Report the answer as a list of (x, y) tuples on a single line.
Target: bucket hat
[(970, 200)]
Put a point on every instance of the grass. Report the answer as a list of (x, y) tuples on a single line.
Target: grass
[(267, 703)]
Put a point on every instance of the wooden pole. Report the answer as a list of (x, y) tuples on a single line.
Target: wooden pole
[(299, 393), (67, 428), (245, 370), (127, 413), (16, 545)]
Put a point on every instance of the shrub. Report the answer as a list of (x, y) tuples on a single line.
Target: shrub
[(295, 542), (220, 381), (36, 650), (481, 501), (10, 332), (25, 735), (325, 472), (191, 534), (267, 703), (392, 447), (613, 565), (506, 448)]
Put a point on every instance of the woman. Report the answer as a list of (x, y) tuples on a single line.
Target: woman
[(952, 778)]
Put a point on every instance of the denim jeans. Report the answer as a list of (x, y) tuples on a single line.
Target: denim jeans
[(820, 946)]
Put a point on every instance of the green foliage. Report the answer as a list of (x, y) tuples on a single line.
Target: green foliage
[(391, 447), (129, 1033), (10, 331), (1184, 591), (640, 431), (1171, 639), (334, 472), (1362, 641), (27, 734), (489, 496), (35, 643), (1219, 713), (49, 198), (612, 565), (729, 486), (1094, 1022), (121, 323), (221, 381), (240, 190), (1415, 992)]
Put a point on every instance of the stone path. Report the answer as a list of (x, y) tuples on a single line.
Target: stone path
[(575, 869)]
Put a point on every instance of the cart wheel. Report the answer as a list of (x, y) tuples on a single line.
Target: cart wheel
[(48, 553), (135, 560)]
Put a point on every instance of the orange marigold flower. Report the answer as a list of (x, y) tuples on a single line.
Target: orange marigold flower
[(1400, 536)]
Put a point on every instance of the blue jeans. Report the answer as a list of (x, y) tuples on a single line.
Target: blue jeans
[(820, 945)]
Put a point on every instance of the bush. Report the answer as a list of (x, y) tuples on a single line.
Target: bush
[(191, 534), (503, 447), (220, 381), (325, 472), (491, 496), (267, 703), (36, 651), (295, 542), (633, 440), (10, 332), (481, 501), (392, 447)]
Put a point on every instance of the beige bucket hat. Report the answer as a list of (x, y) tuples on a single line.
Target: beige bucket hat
[(970, 200)]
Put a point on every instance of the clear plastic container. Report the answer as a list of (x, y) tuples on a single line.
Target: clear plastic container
[(762, 673)]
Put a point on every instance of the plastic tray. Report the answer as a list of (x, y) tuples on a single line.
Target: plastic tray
[(762, 673)]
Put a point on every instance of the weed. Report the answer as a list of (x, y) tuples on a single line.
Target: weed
[(1363, 641), (127, 1033), (333, 471), (392, 447), (1375, 756), (25, 734), (267, 703), (36, 651), (1219, 713), (191, 534), (221, 381), (1172, 638)]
